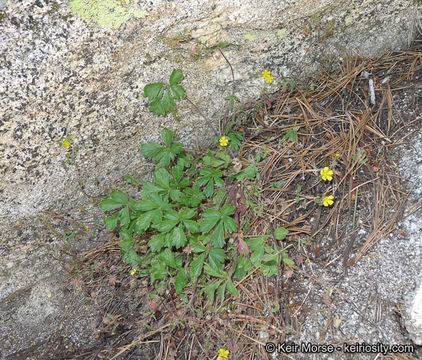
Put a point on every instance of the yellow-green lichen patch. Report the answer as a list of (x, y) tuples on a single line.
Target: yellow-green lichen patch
[(249, 36), (107, 13), (282, 33), (348, 20)]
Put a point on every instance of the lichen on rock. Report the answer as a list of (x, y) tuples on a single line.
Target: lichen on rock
[(107, 13)]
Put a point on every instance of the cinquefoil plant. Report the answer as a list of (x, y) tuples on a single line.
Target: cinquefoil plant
[(181, 227)]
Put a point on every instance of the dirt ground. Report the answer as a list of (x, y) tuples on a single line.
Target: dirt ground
[(356, 262)]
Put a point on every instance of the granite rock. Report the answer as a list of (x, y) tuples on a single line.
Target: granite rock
[(76, 70)]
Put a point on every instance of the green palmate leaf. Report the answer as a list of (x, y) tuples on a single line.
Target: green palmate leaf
[(176, 149), (186, 214), (196, 267), (176, 76), (176, 195), (125, 234), (219, 197), (251, 171), (229, 224), (210, 290), (210, 218), (167, 136), (227, 210), (193, 196), (243, 266), (232, 99), (244, 262), (168, 257), (208, 176), (177, 172), (270, 268), (124, 216), (226, 158), (167, 225), (209, 189), (151, 149), (281, 233), (158, 270), (235, 140), (184, 183), (205, 174), (178, 91), (287, 261), (161, 155), (109, 204), (185, 161), (144, 205), (143, 222), (181, 281), (210, 271), (191, 225), (179, 237), (256, 243), (221, 291), (157, 242), (111, 222), (126, 245), (152, 91), (210, 161), (256, 256), (130, 180), (157, 107), (172, 215), (219, 182), (291, 134), (217, 238), (231, 288), (132, 258), (162, 178), (216, 258), (119, 196), (196, 246), (168, 102)]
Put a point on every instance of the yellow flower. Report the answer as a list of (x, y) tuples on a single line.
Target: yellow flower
[(267, 76), (66, 143), (266, 73), (327, 174), (223, 354), (132, 272), (269, 79), (224, 141), (86, 228), (338, 155), (328, 200)]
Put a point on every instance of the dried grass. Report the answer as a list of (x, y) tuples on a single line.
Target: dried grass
[(334, 118)]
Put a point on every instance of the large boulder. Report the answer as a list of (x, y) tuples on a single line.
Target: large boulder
[(76, 70), (72, 113)]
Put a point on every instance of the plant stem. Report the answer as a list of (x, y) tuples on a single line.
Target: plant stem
[(233, 89), (202, 114), (354, 211)]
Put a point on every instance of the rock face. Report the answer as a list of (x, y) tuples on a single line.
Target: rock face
[(71, 80), (76, 70)]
